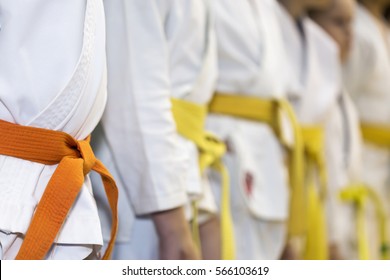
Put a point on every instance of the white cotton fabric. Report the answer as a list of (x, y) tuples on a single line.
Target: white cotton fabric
[(251, 62), (156, 50), (314, 68), (367, 79), (345, 154), (52, 75), (316, 93)]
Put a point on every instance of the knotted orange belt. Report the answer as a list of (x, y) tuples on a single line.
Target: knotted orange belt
[(75, 160)]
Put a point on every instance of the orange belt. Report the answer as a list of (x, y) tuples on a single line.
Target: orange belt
[(75, 160)]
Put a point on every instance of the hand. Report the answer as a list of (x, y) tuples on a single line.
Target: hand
[(335, 252), (289, 253), (176, 242), (210, 237), (293, 249)]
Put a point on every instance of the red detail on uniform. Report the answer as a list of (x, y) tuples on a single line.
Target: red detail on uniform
[(229, 148), (248, 184)]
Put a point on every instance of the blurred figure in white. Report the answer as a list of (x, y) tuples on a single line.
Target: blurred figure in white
[(367, 79), (250, 91), (161, 55), (344, 134), (52, 76), (315, 88)]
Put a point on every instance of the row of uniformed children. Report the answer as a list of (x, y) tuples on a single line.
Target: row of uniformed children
[(270, 79), (233, 129)]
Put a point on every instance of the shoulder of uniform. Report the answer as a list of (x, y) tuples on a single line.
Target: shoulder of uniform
[(364, 30), (326, 52), (320, 37)]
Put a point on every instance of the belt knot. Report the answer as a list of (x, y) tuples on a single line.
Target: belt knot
[(87, 155)]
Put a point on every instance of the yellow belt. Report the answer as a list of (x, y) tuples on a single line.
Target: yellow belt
[(190, 120), (316, 242), (359, 194), (376, 134), (270, 112)]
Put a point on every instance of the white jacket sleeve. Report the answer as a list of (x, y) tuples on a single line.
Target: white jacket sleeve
[(138, 122)]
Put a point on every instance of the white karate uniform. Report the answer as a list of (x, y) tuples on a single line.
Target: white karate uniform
[(157, 49), (367, 79), (52, 75), (251, 63), (314, 92), (345, 153)]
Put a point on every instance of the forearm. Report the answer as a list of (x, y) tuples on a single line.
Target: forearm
[(175, 235), (170, 222)]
